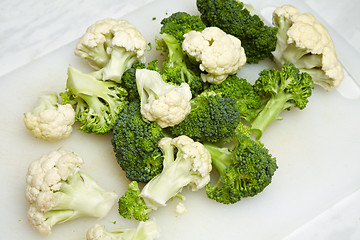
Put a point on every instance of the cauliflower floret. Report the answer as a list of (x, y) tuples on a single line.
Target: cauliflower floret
[(180, 208), (164, 103), (50, 121), (112, 46), (218, 53), (58, 191), (191, 167), (145, 230), (306, 43)]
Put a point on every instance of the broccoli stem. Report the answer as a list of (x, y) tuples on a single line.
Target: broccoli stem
[(220, 157), (270, 113), (80, 196), (120, 61)]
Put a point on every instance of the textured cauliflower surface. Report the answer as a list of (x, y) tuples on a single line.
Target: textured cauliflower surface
[(164, 103), (51, 124), (305, 32), (45, 176), (218, 53)]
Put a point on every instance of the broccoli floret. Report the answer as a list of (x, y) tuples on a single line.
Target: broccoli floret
[(179, 23), (283, 89), (97, 103), (176, 68), (232, 17), (211, 118), (186, 163), (248, 101), (135, 143), (245, 168), (131, 204)]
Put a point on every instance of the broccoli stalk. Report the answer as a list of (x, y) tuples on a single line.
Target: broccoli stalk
[(79, 196), (97, 103), (283, 89), (176, 68), (245, 168)]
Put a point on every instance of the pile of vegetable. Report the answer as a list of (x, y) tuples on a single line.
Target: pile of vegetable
[(175, 121)]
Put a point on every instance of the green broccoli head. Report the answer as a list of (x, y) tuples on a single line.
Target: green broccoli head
[(135, 143), (128, 80), (245, 169), (248, 101), (97, 103), (131, 204), (283, 89), (177, 68), (211, 119), (179, 23), (232, 17)]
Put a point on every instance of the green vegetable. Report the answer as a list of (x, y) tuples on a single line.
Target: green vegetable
[(283, 89), (176, 68), (245, 168), (186, 163), (135, 143), (248, 101), (128, 81), (179, 23), (131, 204), (211, 118), (232, 17), (97, 103)]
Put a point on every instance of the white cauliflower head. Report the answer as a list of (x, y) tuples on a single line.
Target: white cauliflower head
[(112, 46), (218, 53), (164, 103), (306, 43), (58, 191), (50, 121)]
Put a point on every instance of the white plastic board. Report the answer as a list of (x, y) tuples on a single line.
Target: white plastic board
[(316, 150)]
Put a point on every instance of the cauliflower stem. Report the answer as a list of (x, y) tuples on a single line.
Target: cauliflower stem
[(191, 166), (79, 196), (144, 231), (186, 163)]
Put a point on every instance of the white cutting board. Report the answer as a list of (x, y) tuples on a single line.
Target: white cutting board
[(316, 150)]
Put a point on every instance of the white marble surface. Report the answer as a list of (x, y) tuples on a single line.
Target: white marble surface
[(33, 28)]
